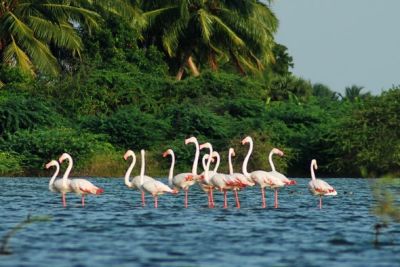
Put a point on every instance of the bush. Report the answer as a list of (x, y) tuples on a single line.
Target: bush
[(22, 112), (10, 164), (40, 146), (129, 128)]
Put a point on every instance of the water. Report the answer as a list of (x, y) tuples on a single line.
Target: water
[(114, 230)]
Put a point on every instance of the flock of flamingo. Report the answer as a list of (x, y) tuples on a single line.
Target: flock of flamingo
[(209, 180)]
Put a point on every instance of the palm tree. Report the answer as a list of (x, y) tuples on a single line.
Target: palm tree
[(30, 29), (353, 93), (208, 31)]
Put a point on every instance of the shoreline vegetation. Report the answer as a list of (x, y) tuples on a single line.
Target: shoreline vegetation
[(148, 76)]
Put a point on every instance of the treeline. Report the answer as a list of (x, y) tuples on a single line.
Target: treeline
[(122, 93)]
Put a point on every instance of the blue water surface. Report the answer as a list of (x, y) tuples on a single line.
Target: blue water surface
[(114, 230)]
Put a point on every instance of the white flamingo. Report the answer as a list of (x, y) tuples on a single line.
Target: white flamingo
[(221, 181), (154, 187), (259, 177), (80, 186), (319, 187), (62, 186), (205, 183), (239, 180), (276, 174), (135, 182), (180, 181)]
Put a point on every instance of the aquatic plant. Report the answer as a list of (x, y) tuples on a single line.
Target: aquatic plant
[(4, 248)]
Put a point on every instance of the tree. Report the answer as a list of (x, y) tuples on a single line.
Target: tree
[(30, 29), (353, 93), (198, 32)]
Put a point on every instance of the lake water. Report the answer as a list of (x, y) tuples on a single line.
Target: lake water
[(114, 230)]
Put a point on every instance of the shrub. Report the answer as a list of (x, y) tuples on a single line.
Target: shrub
[(10, 164)]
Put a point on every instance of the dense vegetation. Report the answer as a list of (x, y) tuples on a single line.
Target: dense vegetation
[(150, 75)]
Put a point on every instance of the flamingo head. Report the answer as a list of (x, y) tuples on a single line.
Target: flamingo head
[(232, 152), (51, 163), (205, 145), (128, 154), (314, 163), (63, 157), (246, 140), (166, 153), (277, 151), (190, 140), (206, 156)]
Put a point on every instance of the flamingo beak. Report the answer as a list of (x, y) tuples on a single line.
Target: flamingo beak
[(48, 165), (165, 154)]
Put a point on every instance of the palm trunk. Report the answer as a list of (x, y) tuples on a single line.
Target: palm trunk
[(212, 61), (237, 64), (192, 66), (179, 75)]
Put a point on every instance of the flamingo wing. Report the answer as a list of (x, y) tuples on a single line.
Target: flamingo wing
[(320, 187)]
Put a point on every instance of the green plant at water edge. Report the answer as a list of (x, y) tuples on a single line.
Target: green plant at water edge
[(4, 248), (386, 192), (10, 164)]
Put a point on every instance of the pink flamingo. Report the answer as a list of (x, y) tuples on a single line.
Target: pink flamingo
[(135, 182), (206, 182), (238, 180), (319, 187), (203, 185), (80, 186), (221, 181), (180, 181), (62, 186), (259, 177), (277, 175), (154, 187)]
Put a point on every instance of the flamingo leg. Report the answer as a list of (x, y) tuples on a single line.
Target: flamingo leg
[(212, 198), (156, 201), (209, 198), (264, 204), (225, 200), (237, 199), (64, 202), (276, 199), (143, 199), (320, 202), (186, 197), (83, 200)]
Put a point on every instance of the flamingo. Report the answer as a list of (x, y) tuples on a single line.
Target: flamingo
[(221, 181), (79, 186), (62, 186), (260, 177), (180, 181), (319, 187), (278, 175), (239, 180), (206, 182), (154, 187), (135, 182)]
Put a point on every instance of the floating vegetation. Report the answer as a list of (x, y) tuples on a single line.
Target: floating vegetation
[(4, 248)]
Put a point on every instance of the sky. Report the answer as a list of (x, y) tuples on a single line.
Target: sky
[(342, 42)]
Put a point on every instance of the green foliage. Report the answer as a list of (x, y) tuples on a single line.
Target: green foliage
[(129, 128), (368, 141), (10, 164), (40, 146), (21, 111), (290, 87)]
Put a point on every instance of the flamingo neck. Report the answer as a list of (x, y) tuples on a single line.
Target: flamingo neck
[(230, 162), (171, 170), (312, 172), (196, 158), (246, 160), (128, 172), (270, 161), (206, 177), (204, 163), (218, 162), (53, 178), (67, 171), (143, 163)]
